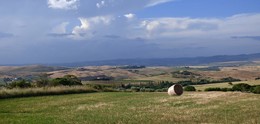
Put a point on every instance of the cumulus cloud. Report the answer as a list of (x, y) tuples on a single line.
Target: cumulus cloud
[(129, 15), (156, 28), (202, 27), (100, 23), (63, 4), (90, 26), (178, 27)]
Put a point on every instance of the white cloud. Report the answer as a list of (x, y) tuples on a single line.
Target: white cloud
[(152, 25), (63, 4), (170, 28), (61, 28), (101, 19), (178, 27), (237, 25), (101, 4), (78, 31), (25, 29), (129, 16), (156, 2), (90, 26)]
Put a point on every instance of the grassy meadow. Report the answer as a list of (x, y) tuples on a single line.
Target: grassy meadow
[(128, 107), (93, 102)]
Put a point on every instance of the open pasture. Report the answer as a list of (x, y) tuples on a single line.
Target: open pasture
[(128, 107)]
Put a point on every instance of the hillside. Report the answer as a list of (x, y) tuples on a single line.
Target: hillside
[(27, 70), (244, 59)]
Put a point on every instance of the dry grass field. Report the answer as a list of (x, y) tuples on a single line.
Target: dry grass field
[(148, 73), (164, 73), (241, 72), (123, 107)]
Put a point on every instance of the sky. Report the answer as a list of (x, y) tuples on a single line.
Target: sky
[(64, 31)]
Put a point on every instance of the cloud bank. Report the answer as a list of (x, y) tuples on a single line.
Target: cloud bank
[(63, 4), (82, 30)]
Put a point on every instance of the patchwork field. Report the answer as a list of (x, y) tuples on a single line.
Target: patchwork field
[(124, 107), (160, 73)]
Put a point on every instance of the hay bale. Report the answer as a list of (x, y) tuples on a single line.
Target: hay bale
[(176, 89)]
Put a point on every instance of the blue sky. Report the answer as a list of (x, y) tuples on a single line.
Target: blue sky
[(60, 31), (201, 8)]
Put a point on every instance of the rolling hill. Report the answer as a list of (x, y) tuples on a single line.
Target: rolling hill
[(236, 59)]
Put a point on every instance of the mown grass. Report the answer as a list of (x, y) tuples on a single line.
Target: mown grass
[(125, 107), (225, 85), (44, 91)]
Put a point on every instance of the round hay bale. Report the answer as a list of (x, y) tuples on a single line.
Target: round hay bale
[(176, 89)]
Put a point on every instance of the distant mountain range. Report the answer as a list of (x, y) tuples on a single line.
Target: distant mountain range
[(243, 58)]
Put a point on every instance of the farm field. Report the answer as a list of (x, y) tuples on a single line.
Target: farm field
[(225, 85), (114, 73), (128, 107)]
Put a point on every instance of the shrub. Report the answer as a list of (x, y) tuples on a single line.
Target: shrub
[(256, 89), (98, 87), (213, 89), (165, 89), (135, 89), (67, 80), (229, 79), (42, 82), (149, 90), (230, 83), (241, 87), (189, 88), (218, 89), (159, 90), (20, 84), (238, 87), (107, 89), (226, 89)]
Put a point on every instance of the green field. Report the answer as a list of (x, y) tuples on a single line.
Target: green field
[(126, 107), (225, 85)]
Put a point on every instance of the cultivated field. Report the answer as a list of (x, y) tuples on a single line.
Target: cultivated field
[(149, 73), (225, 85), (123, 107)]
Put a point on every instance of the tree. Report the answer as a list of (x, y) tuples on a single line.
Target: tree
[(6, 80), (256, 89), (189, 88), (67, 80), (20, 84), (241, 87), (42, 82)]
